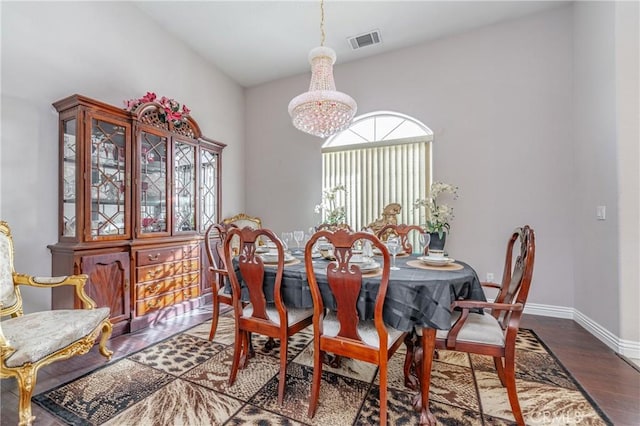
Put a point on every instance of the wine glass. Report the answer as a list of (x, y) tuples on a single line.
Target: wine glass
[(425, 239), (286, 239), (298, 236), (393, 244)]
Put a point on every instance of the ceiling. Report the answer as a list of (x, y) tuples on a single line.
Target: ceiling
[(254, 42)]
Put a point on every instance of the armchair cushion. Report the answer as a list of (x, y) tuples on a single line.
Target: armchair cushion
[(45, 334), (477, 328)]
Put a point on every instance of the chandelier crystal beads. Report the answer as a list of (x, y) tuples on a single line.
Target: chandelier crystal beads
[(322, 111)]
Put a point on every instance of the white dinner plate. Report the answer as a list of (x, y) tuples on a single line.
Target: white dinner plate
[(436, 261), (368, 267)]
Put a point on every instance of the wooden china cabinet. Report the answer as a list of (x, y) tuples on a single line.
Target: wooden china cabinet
[(137, 193)]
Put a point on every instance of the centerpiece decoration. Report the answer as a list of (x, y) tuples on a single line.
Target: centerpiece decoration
[(331, 208), (438, 214), (170, 111)]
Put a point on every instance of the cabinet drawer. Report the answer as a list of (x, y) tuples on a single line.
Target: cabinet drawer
[(191, 251), (154, 288), (167, 254), (155, 272), (186, 294), (145, 306)]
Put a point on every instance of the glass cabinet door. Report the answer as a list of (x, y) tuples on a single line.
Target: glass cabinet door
[(152, 186), (184, 183), (69, 181), (107, 176), (208, 188)]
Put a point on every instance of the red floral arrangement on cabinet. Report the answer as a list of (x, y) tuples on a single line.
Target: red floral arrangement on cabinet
[(170, 112)]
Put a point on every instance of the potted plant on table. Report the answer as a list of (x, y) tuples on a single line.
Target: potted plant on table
[(333, 213), (438, 214)]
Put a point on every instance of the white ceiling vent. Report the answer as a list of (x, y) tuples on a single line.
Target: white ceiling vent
[(366, 39)]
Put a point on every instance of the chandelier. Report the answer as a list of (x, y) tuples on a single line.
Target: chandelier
[(322, 111)]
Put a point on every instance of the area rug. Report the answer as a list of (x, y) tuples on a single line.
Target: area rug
[(183, 381)]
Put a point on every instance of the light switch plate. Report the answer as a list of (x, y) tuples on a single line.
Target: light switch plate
[(601, 212)]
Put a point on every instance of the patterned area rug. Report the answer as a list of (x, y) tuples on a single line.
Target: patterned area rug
[(183, 381)]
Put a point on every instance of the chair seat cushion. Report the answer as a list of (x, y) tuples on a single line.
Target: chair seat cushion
[(48, 332), (366, 329), (294, 315), (477, 328)]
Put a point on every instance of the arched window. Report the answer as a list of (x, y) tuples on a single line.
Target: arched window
[(383, 157)]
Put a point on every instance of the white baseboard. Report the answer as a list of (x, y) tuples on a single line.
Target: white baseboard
[(627, 348)]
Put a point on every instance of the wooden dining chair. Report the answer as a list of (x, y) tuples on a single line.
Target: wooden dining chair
[(218, 274), (494, 333), (402, 231), (342, 332), (272, 319)]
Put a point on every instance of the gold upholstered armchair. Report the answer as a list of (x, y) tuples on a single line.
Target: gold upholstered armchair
[(31, 341), (242, 220)]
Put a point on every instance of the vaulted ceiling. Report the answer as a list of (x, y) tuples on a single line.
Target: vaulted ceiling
[(259, 41)]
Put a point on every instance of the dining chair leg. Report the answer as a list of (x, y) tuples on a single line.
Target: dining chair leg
[(318, 355), (214, 317), (510, 378), (383, 393), (497, 361), (237, 352), (283, 369)]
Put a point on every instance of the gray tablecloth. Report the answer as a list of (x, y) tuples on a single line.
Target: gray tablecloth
[(415, 297)]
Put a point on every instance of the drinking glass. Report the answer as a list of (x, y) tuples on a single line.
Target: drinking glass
[(286, 239), (393, 244), (298, 236), (425, 239)]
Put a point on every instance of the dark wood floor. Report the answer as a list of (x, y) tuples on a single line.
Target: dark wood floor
[(612, 382)]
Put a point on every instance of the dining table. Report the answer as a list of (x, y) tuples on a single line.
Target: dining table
[(419, 296)]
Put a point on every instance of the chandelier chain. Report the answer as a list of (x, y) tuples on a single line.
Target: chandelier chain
[(322, 22)]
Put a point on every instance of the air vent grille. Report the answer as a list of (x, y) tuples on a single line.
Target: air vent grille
[(364, 40)]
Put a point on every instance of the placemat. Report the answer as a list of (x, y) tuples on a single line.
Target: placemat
[(421, 265), (375, 273)]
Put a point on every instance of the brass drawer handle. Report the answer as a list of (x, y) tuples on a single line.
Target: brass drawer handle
[(152, 304), (152, 274), (152, 290), (153, 257)]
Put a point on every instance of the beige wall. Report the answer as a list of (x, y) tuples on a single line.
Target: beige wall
[(627, 22), (499, 102), (531, 126), (109, 51)]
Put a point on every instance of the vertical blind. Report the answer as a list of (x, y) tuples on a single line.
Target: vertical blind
[(378, 173)]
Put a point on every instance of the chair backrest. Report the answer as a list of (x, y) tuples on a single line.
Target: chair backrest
[(213, 243), (345, 283), (251, 270), (389, 216), (10, 300), (518, 270), (333, 227), (402, 231)]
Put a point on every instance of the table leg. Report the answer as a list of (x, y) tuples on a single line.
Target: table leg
[(426, 361)]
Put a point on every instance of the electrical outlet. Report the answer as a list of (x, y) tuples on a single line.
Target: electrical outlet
[(490, 277)]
